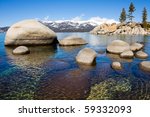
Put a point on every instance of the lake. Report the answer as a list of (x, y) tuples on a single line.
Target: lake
[(51, 72)]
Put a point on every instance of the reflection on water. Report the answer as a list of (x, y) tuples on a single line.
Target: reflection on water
[(38, 55), (51, 72), (115, 57)]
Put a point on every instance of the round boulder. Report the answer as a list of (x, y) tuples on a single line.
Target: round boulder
[(86, 56), (29, 32), (21, 50), (136, 46), (141, 54), (71, 41), (116, 65), (117, 47), (145, 65), (127, 54)]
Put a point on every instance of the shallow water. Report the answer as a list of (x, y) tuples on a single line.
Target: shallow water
[(51, 72)]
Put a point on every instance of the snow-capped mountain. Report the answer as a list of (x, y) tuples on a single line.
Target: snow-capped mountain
[(76, 25), (68, 26), (73, 25), (3, 29)]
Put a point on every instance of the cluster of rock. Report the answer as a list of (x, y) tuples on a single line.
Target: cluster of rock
[(127, 51), (122, 28), (32, 32), (28, 32)]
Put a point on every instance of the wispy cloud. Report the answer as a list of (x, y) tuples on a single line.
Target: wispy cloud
[(100, 20), (46, 18), (78, 18)]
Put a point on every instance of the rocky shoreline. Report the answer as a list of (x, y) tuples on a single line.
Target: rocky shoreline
[(121, 28)]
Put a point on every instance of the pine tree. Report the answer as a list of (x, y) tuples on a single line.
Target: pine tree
[(144, 18), (123, 16), (131, 10)]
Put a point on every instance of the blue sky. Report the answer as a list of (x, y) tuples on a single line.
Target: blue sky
[(12, 11)]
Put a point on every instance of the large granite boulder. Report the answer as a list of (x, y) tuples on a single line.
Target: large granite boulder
[(136, 46), (29, 32), (141, 55), (86, 56), (118, 46), (116, 65), (145, 65), (127, 54), (21, 50), (72, 40)]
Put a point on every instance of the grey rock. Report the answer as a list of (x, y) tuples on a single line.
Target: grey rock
[(145, 65), (29, 32), (72, 40), (118, 46), (21, 50), (86, 56), (141, 54), (116, 65), (136, 46), (127, 54)]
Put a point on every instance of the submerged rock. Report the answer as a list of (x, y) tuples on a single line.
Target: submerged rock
[(29, 32), (136, 46), (109, 89), (72, 40), (127, 54), (141, 54), (145, 65), (21, 50), (86, 56), (116, 65), (118, 46)]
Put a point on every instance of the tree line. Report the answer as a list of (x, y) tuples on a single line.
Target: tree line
[(124, 16)]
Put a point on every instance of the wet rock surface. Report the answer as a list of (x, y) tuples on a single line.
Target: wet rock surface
[(21, 50)]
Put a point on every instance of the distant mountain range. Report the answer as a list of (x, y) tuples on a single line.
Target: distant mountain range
[(76, 25), (3, 29), (71, 25)]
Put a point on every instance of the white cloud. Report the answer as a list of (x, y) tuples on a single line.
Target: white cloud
[(36, 18), (100, 20), (78, 18), (46, 18)]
